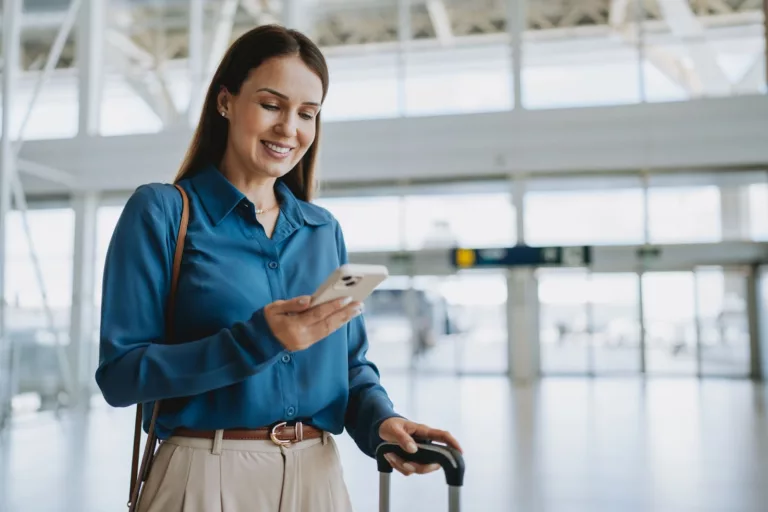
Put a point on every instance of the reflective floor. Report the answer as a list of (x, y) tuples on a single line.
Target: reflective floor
[(570, 445)]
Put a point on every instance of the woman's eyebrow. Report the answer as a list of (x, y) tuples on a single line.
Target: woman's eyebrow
[(283, 96)]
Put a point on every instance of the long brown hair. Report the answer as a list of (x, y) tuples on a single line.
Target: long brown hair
[(247, 53)]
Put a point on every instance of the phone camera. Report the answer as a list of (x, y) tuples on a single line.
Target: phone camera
[(350, 281)]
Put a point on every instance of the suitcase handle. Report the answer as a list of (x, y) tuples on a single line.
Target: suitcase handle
[(449, 459)]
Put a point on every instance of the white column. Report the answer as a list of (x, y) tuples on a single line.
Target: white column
[(295, 15), (758, 293), (404, 34), (734, 213), (517, 21), (11, 59), (196, 62), (82, 313), (735, 224), (523, 325), (518, 183), (90, 65)]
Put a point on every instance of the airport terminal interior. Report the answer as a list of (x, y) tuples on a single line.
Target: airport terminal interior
[(571, 198)]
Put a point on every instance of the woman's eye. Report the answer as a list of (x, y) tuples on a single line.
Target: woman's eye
[(267, 106), (307, 116)]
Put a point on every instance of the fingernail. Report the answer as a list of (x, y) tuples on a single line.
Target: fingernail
[(389, 459), (303, 300), (358, 311), (434, 467), (345, 301), (412, 448), (409, 467)]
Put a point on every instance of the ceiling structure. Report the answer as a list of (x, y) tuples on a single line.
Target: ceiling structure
[(159, 29)]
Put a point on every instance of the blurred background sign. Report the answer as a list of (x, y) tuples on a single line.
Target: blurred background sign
[(522, 256)]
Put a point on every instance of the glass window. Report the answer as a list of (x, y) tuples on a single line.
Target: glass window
[(563, 81), (368, 223), (55, 113), (466, 220), (123, 109), (52, 233), (584, 217), (684, 214), (362, 87), (458, 80), (758, 211), (38, 377)]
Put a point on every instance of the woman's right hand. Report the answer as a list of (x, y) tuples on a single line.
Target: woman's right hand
[(297, 326)]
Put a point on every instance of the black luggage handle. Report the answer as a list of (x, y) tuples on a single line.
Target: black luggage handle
[(450, 459)]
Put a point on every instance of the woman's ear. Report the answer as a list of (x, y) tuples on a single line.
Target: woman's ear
[(222, 102)]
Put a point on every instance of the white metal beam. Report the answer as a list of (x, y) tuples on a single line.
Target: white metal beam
[(253, 8), (128, 47), (46, 172), (11, 58), (617, 16), (728, 132), (222, 33), (441, 21), (685, 25), (148, 83), (754, 80), (90, 62)]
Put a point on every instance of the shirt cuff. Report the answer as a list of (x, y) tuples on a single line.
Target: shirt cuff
[(382, 410), (263, 343)]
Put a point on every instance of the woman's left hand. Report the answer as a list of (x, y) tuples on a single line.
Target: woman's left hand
[(402, 431)]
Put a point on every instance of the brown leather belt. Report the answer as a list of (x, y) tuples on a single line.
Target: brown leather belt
[(280, 434)]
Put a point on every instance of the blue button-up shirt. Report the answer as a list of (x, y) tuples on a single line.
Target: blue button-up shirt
[(225, 368)]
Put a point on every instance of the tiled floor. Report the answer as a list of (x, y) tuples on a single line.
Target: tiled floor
[(566, 445)]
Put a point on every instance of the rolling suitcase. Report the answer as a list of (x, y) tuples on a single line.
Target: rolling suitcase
[(429, 453)]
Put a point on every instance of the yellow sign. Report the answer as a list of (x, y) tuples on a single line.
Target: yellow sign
[(465, 257)]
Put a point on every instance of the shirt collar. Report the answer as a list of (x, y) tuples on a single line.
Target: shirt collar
[(219, 197)]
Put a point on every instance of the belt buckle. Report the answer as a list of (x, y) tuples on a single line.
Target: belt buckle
[(273, 435)]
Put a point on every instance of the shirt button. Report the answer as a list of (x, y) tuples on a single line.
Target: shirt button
[(290, 411), (273, 265), (286, 358)]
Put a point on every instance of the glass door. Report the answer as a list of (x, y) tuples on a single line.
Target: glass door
[(696, 322), (615, 322), (669, 317), (440, 324), (589, 322), (723, 321)]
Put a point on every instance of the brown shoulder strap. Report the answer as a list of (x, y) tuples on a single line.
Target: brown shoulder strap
[(139, 474)]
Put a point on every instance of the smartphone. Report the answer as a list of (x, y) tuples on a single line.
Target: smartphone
[(350, 280)]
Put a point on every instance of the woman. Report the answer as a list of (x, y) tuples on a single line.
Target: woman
[(250, 360)]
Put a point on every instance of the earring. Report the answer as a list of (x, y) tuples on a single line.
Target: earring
[(223, 114)]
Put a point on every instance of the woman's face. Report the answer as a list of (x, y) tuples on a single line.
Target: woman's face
[(272, 120)]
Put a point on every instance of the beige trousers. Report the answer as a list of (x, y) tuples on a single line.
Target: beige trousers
[(201, 475)]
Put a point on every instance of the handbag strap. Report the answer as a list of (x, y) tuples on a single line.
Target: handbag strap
[(138, 475)]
